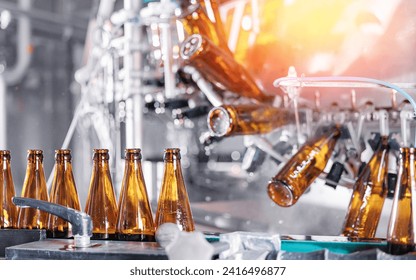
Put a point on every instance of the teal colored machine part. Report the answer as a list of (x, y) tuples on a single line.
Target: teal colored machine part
[(305, 246), (338, 246)]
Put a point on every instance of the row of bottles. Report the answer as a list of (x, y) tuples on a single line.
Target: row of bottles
[(130, 219), (369, 192)]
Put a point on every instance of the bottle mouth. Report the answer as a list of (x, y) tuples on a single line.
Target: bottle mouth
[(5, 153), (33, 155), (63, 151), (219, 121), (35, 152), (171, 154), (133, 153), (280, 193), (100, 154), (63, 154), (191, 46)]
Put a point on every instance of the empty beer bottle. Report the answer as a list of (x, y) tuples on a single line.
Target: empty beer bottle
[(63, 192), (220, 68), (173, 205), (202, 17), (303, 168), (368, 196), (7, 192), (401, 229), (101, 202), (246, 119), (135, 219), (34, 186)]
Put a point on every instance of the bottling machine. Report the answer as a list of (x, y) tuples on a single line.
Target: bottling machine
[(154, 76)]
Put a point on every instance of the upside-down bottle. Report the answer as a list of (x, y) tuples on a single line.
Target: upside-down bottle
[(173, 204), (368, 196), (202, 17), (303, 168), (220, 68), (101, 202), (135, 219), (63, 192), (246, 119), (7, 192), (401, 229), (34, 186)]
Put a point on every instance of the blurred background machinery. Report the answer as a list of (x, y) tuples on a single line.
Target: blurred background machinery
[(108, 74)]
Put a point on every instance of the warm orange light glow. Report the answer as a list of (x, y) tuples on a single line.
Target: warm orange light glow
[(319, 37)]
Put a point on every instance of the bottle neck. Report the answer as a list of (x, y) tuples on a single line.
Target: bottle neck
[(35, 160), (62, 156), (172, 155), (5, 161), (100, 159)]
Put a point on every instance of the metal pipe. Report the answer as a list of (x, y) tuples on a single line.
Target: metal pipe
[(24, 33), (45, 16), (80, 221), (132, 66)]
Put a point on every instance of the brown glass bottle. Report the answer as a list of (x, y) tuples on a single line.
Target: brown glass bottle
[(202, 17), (101, 202), (303, 168), (246, 119), (9, 210), (368, 196), (135, 219), (34, 186), (63, 192), (173, 204), (401, 230), (220, 68)]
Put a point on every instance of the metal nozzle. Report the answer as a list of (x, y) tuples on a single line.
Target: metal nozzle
[(80, 221)]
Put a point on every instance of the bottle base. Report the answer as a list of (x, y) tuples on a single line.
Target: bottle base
[(103, 236), (58, 234), (136, 237), (399, 249)]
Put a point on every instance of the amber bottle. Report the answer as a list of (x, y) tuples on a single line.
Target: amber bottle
[(368, 196), (173, 204), (246, 119), (401, 229), (303, 168), (63, 192), (101, 202), (220, 68), (202, 17), (9, 210), (34, 186), (135, 219), (1, 203)]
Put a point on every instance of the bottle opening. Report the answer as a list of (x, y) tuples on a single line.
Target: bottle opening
[(63, 151), (172, 153), (101, 154), (32, 155), (4, 154), (190, 46), (62, 154), (280, 193), (35, 152), (219, 121), (133, 154)]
